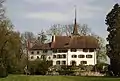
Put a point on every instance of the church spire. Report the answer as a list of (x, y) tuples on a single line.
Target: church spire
[(75, 29)]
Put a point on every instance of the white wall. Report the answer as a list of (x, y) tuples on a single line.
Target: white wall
[(68, 59), (90, 61)]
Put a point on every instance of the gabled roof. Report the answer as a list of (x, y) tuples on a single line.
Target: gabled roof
[(39, 46), (62, 42)]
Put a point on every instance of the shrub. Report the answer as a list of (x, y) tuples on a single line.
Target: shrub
[(3, 71)]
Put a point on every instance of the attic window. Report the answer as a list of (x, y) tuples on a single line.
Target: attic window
[(54, 51), (91, 50), (73, 50), (67, 43), (62, 50), (85, 50)]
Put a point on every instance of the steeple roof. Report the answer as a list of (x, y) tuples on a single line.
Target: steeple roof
[(75, 29)]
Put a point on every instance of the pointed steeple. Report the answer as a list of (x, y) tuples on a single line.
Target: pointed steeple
[(75, 29)]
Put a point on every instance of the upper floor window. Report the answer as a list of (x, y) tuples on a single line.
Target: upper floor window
[(32, 52), (74, 56), (81, 56), (73, 50), (45, 51), (59, 56), (63, 56), (83, 62), (38, 52), (91, 50), (85, 50), (54, 56), (88, 56)]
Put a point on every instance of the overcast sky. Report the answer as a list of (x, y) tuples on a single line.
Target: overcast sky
[(35, 15)]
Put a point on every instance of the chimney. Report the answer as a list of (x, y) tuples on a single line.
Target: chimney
[(53, 38)]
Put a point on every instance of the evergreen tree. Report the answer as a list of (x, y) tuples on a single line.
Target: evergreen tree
[(113, 48)]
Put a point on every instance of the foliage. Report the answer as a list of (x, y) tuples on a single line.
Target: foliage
[(113, 48), (38, 67), (101, 67), (42, 37), (58, 78)]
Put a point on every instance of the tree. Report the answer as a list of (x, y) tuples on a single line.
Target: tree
[(113, 46), (68, 29), (83, 30), (42, 37)]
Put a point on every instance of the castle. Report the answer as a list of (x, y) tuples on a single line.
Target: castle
[(67, 50)]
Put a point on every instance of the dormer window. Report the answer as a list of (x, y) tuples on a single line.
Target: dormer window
[(54, 51), (85, 50), (73, 50), (91, 50), (45, 51)]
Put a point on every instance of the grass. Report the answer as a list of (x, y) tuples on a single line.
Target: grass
[(56, 78)]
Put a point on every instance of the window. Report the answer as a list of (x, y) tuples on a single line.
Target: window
[(58, 62), (37, 57), (81, 56), (59, 56), (88, 56), (73, 63), (37, 52), (42, 56), (54, 51), (62, 50), (32, 52), (74, 56), (45, 51), (54, 56), (73, 50), (49, 58), (85, 50), (83, 62), (91, 50), (32, 57), (63, 56), (63, 62)]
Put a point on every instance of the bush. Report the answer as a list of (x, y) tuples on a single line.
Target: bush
[(3, 71), (39, 67), (67, 70)]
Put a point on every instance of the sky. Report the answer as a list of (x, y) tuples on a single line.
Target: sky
[(37, 15)]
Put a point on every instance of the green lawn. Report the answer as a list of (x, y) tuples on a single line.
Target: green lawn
[(56, 78)]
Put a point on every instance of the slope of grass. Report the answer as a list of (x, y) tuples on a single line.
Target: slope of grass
[(56, 78)]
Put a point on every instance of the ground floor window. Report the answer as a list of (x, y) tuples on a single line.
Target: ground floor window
[(32, 57), (83, 62), (73, 63), (63, 62), (38, 57), (57, 62)]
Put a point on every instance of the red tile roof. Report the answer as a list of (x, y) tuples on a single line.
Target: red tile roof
[(68, 42)]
